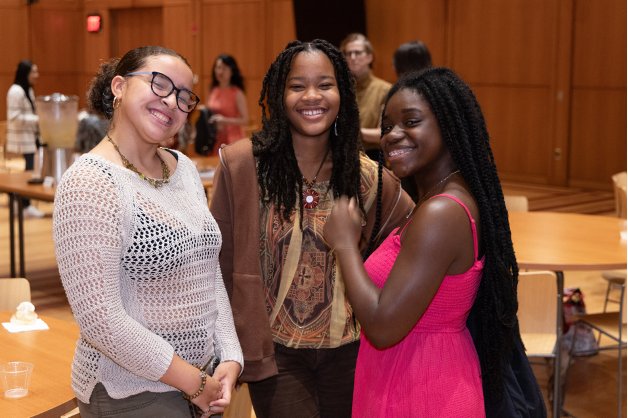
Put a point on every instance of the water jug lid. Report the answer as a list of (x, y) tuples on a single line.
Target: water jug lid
[(57, 97)]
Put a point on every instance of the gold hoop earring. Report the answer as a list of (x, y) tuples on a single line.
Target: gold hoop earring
[(116, 102)]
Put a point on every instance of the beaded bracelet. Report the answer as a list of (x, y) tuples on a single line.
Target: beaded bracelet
[(200, 390)]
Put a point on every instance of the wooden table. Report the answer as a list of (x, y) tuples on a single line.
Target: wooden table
[(17, 187), (51, 351), (203, 163), (566, 241)]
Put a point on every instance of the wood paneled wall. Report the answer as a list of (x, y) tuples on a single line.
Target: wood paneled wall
[(597, 146), (549, 74), (15, 46), (53, 34)]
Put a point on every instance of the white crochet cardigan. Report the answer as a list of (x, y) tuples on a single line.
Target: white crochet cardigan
[(140, 268)]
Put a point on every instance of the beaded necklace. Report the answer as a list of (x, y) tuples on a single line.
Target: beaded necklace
[(310, 196), (153, 182)]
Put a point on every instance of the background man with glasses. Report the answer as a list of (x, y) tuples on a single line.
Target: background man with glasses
[(370, 91)]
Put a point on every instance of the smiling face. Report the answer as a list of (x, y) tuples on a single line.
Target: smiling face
[(412, 139), (311, 96), (222, 72), (153, 118)]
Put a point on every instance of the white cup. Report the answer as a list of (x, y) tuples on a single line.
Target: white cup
[(16, 376)]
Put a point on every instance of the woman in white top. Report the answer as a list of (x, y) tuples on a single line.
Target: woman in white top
[(138, 253), (23, 122)]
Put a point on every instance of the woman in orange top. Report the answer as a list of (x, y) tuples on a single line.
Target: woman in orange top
[(227, 101)]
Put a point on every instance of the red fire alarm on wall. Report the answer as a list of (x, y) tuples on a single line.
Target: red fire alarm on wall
[(94, 23)]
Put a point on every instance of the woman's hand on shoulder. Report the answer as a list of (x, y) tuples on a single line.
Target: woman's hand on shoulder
[(343, 227)]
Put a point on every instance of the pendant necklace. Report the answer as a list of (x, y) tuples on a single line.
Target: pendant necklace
[(430, 191), (155, 183), (310, 196)]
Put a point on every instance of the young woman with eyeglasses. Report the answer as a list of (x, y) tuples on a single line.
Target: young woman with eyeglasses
[(138, 253)]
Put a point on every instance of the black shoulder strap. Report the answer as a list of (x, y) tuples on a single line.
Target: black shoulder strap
[(174, 154)]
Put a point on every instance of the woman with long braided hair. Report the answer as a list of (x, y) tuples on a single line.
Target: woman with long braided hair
[(271, 199), (453, 253)]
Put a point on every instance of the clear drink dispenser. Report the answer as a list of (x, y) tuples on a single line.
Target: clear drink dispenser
[(58, 124)]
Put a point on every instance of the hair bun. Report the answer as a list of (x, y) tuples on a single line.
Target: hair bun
[(99, 97)]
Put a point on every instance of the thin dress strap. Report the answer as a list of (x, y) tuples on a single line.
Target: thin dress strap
[(475, 235)]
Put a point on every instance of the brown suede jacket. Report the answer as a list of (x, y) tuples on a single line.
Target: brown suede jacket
[(235, 206)]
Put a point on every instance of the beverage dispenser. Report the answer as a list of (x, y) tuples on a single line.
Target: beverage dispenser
[(58, 124)]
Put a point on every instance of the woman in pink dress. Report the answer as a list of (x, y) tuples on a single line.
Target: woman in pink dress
[(227, 101), (414, 294)]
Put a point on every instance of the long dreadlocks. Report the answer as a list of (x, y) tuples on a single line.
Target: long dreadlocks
[(278, 173), (463, 128)]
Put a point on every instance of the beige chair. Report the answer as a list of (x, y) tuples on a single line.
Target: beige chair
[(616, 278), (516, 203), (13, 292), (619, 186), (612, 325), (538, 318), (538, 312)]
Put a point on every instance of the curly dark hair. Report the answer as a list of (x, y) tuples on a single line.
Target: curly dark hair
[(278, 172), (99, 96), (236, 77), (464, 130)]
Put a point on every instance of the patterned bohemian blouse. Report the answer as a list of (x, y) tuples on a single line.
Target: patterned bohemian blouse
[(303, 288)]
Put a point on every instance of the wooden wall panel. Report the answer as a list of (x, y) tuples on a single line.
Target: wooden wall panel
[(391, 23), (177, 32), (519, 122), (15, 46), (253, 88), (495, 41), (57, 47), (548, 73), (236, 29), (97, 47), (15, 37), (598, 114), (600, 43), (6, 80), (282, 28), (598, 137), (137, 27), (111, 4)]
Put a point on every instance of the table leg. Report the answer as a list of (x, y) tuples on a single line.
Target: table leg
[(557, 407), (12, 232), (20, 226)]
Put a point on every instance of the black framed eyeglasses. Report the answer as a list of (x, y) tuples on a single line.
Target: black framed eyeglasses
[(162, 86)]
